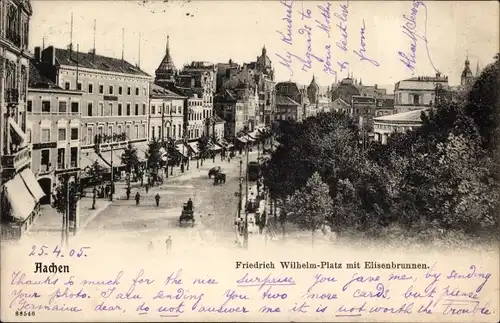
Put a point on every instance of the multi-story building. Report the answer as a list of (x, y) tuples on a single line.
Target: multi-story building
[(114, 103), (385, 105), (53, 130), (418, 93), (167, 109), (313, 94), (19, 191), (291, 102), (363, 110), (231, 110), (401, 122)]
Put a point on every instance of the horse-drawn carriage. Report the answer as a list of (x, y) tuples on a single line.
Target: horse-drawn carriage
[(187, 216), (214, 171), (219, 178)]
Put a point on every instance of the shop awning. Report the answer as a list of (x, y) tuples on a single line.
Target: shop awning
[(142, 150), (19, 133), (32, 184), (248, 138), (194, 147), (215, 147), (21, 201), (181, 149), (243, 139), (89, 158)]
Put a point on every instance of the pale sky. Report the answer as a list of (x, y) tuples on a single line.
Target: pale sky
[(217, 31)]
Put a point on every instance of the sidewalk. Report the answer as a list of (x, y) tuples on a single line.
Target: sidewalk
[(51, 221)]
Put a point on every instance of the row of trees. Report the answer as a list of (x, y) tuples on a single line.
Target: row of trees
[(444, 174)]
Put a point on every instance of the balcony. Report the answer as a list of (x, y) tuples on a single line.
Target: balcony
[(14, 37), (17, 160), (12, 96)]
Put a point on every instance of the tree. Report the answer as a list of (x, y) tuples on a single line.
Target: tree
[(154, 157), (483, 105), (310, 205), (172, 153), (130, 160), (203, 147), (96, 174), (67, 193)]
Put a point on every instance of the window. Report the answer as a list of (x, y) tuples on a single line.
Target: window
[(45, 135), (137, 109), (120, 129), (110, 90), (29, 106), (79, 86), (416, 99), (61, 134), (74, 107), (119, 109), (180, 129), (127, 131), (45, 159), (153, 108), (173, 131), (144, 109), (28, 135), (74, 157), (89, 109), (45, 106), (128, 109), (120, 90), (90, 135), (159, 132), (137, 131), (74, 134), (152, 132), (143, 132), (110, 130), (136, 91), (91, 88), (101, 89), (66, 85), (110, 109), (178, 109), (60, 158), (62, 106), (100, 111), (144, 91), (128, 90)]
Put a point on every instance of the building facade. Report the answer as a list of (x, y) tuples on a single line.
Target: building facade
[(115, 99), (231, 110), (20, 193), (166, 115), (418, 93), (53, 130)]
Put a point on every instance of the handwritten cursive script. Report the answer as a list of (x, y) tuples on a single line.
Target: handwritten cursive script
[(362, 52)]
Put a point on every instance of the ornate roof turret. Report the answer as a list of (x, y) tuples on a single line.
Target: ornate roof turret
[(467, 76), (167, 69)]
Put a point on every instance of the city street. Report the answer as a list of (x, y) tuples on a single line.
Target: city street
[(215, 209)]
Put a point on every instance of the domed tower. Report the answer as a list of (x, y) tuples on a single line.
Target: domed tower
[(313, 91), (166, 71), (467, 76), (264, 64)]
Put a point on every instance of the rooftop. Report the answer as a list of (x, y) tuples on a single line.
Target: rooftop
[(97, 62), (409, 116), (284, 100), (155, 89)]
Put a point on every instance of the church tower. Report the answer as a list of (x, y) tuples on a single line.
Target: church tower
[(313, 91), (166, 72), (467, 76)]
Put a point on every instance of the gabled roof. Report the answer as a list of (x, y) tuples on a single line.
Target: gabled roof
[(341, 101), (156, 90), (218, 119), (284, 100), (38, 80), (97, 62)]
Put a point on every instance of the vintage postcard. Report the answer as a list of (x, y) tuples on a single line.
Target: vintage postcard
[(249, 161)]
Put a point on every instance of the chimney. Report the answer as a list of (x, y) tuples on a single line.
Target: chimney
[(38, 56), (49, 55)]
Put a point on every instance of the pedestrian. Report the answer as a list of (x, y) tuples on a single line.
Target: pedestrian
[(147, 188), (137, 198), (168, 242), (128, 193), (157, 199)]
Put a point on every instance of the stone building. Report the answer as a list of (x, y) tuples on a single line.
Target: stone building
[(115, 98), (401, 122), (166, 115), (418, 93), (53, 130), (20, 193)]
